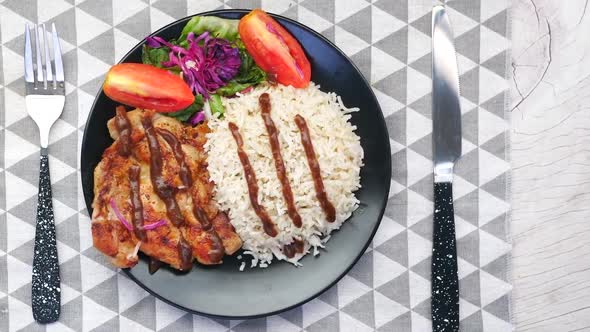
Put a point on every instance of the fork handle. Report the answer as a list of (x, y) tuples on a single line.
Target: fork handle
[(46, 281)]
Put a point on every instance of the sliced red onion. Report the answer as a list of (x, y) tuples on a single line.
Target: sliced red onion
[(246, 90), (133, 255), (155, 225), (120, 216)]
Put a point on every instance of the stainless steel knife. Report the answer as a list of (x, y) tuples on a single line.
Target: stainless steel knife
[(446, 145)]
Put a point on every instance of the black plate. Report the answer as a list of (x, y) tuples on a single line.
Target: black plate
[(223, 291)]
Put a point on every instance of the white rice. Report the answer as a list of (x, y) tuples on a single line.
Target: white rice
[(337, 148)]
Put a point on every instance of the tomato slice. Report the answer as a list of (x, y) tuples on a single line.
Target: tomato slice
[(274, 49), (147, 87)]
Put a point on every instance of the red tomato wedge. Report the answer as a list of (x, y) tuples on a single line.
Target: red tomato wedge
[(274, 49), (147, 87)]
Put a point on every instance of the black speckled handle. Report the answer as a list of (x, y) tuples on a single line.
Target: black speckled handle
[(45, 286), (445, 282)]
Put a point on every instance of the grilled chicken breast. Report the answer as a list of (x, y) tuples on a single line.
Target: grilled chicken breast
[(178, 192)]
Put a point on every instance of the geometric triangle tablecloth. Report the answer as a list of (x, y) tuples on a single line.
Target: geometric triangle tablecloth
[(389, 288)]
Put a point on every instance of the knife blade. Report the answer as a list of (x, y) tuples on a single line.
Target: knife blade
[(446, 147), (446, 109)]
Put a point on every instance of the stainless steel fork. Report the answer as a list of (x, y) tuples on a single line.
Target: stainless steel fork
[(45, 100)]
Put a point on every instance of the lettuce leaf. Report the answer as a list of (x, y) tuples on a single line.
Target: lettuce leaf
[(216, 105), (249, 73), (217, 27), (154, 56), (232, 88), (185, 114)]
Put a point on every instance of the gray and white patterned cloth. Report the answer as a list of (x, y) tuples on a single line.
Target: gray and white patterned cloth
[(389, 288)]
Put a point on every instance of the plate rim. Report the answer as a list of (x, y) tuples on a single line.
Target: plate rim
[(387, 184)]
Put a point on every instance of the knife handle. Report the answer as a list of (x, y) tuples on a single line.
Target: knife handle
[(445, 282)]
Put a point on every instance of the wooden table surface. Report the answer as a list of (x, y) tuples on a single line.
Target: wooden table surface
[(551, 165)]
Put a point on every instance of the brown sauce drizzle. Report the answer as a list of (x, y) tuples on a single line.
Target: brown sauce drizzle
[(185, 252), (299, 245), (273, 137), (294, 247), (124, 128), (267, 224), (217, 250), (271, 78), (137, 206), (184, 173), (154, 265), (203, 219), (314, 167), (164, 191)]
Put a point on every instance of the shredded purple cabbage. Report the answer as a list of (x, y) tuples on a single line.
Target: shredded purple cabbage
[(197, 118), (153, 42), (207, 64)]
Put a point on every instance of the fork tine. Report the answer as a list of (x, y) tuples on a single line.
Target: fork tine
[(47, 56), (39, 61), (29, 73), (59, 67)]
